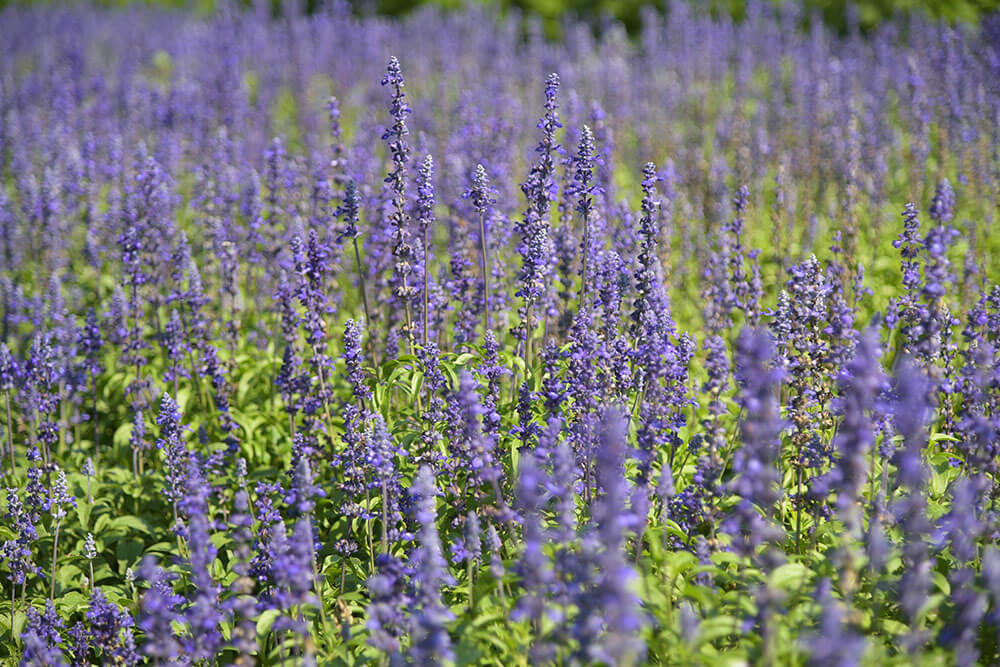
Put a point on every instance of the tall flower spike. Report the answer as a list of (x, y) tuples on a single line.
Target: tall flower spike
[(176, 456), (350, 211), (861, 385), (942, 207), (757, 480), (833, 645), (386, 617), (425, 220), (610, 617), (910, 412), (646, 278), (158, 613), (533, 566), (584, 189), (481, 194), (395, 137), (539, 189), (204, 615), (354, 360), (431, 642)]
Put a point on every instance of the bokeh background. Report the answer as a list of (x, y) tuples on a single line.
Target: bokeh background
[(843, 15)]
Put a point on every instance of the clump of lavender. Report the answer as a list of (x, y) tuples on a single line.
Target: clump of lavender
[(963, 528), (110, 631), (241, 603), (16, 552), (381, 460), (42, 638), (492, 371), (938, 278), (909, 243), (131, 244), (745, 288)]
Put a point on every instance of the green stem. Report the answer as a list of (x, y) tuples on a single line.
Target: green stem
[(10, 434), (55, 555), (93, 393), (427, 262), (364, 298), (472, 589), (486, 274)]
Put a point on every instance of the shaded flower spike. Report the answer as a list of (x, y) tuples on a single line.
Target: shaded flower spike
[(757, 481), (431, 642), (942, 208)]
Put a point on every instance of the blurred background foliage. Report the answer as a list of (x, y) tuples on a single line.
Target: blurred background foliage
[(839, 14)]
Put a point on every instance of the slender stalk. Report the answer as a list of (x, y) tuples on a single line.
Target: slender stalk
[(317, 583), (472, 588), (93, 396), (55, 555), (364, 297), (486, 273), (426, 287), (527, 339), (63, 419), (10, 434), (368, 528), (586, 252), (409, 323), (385, 518), (195, 375), (798, 511)]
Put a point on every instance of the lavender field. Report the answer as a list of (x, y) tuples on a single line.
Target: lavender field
[(338, 340)]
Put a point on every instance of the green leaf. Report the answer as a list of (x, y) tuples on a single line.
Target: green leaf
[(894, 627), (128, 523), (266, 620), (717, 627), (789, 576)]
